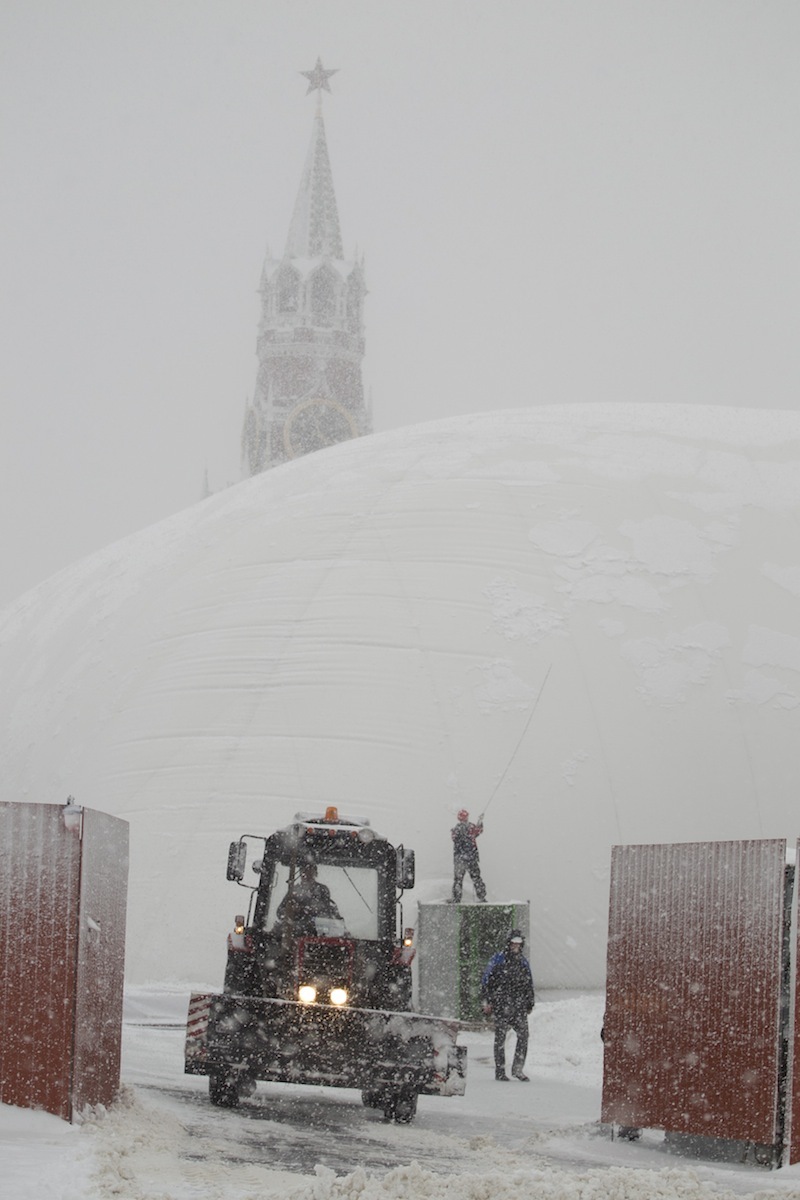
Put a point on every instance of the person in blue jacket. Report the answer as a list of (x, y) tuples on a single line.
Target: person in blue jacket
[(508, 996)]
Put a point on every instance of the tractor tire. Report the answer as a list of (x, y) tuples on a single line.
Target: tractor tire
[(223, 1090), (405, 1108), (400, 1107)]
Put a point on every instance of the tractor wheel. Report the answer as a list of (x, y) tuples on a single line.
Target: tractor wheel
[(405, 1108), (223, 1090), (400, 1107), (371, 1098)]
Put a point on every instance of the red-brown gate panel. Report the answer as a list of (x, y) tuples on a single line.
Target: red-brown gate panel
[(63, 886), (101, 959), (39, 889), (794, 1137), (695, 955)]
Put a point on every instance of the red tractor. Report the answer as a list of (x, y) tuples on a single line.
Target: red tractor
[(318, 980)]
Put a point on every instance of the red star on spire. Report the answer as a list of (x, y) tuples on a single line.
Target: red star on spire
[(318, 78)]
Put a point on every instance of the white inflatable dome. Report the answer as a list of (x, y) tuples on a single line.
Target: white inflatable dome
[(583, 620)]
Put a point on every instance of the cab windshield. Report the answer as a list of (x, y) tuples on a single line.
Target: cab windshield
[(324, 900)]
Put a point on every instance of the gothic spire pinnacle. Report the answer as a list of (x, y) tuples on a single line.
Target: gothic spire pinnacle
[(314, 231)]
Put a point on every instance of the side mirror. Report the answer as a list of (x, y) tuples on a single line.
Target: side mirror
[(405, 868), (237, 861)]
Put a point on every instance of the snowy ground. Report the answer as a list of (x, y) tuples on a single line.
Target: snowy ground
[(163, 1141)]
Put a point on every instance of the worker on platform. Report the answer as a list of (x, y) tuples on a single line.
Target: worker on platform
[(466, 859)]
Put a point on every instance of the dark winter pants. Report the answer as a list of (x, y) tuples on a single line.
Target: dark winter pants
[(503, 1021), (461, 866)]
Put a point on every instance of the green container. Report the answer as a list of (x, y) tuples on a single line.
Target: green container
[(483, 931), (456, 942)]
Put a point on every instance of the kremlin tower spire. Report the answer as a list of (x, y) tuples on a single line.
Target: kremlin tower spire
[(309, 392)]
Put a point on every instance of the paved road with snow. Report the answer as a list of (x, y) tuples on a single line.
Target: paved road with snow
[(549, 1124), (162, 1139)]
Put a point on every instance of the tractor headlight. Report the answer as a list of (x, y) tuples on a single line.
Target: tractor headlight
[(307, 993), (338, 996)]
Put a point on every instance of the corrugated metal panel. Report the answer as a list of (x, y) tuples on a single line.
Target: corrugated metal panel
[(794, 1054), (39, 888), (63, 887), (692, 1024), (101, 959)]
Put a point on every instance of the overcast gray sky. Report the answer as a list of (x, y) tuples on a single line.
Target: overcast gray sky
[(563, 201)]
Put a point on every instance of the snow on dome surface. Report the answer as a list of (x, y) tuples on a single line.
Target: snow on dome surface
[(370, 627)]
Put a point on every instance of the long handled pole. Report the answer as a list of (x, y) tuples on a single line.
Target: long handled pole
[(519, 743)]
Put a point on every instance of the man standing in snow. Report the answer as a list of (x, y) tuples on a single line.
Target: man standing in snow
[(507, 994), (465, 856)]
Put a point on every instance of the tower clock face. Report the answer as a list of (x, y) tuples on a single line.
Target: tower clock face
[(315, 424)]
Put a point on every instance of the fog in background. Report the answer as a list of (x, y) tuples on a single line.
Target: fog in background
[(594, 200)]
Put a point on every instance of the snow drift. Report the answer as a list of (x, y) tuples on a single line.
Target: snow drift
[(371, 626)]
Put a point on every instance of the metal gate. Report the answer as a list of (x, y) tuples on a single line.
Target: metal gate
[(697, 998), (63, 887), (794, 1140)]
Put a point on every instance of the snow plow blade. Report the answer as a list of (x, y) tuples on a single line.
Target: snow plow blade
[(245, 1038)]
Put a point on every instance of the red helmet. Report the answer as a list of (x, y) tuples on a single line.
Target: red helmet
[(462, 814)]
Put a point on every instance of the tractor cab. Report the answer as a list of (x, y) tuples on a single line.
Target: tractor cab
[(325, 915)]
